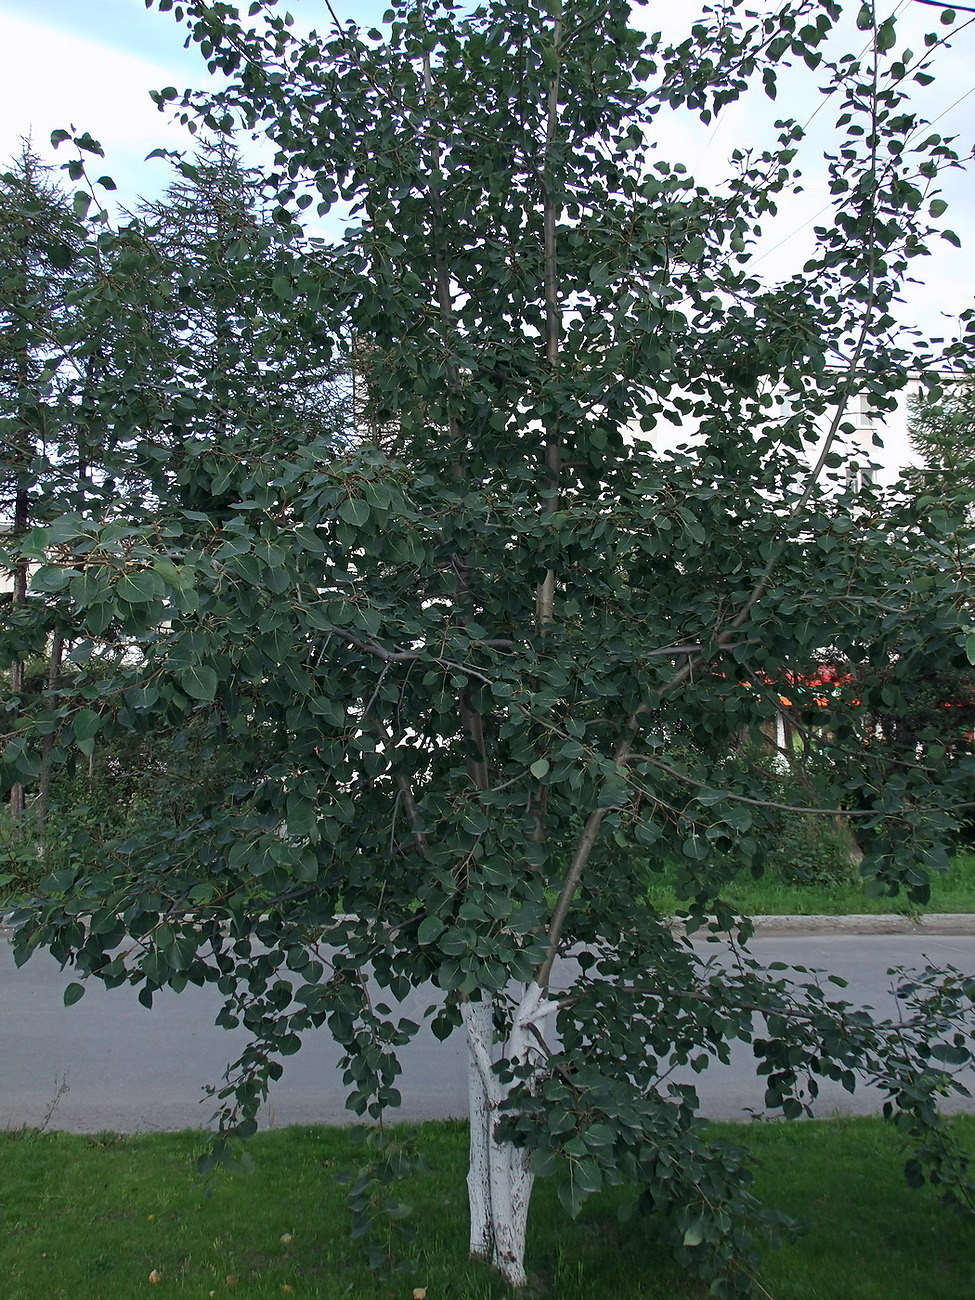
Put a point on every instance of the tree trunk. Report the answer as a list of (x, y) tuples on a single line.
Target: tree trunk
[(500, 1178), (44, 777), (18, 596), (853, 848)]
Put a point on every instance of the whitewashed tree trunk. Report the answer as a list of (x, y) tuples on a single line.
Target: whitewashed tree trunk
[(500, 1179), (477, 1015)]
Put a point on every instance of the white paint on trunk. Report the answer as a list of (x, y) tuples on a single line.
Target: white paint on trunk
[(477, 1023), (500, 1179)]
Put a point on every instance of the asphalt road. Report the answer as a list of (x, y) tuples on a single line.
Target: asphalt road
[(107, 1063)]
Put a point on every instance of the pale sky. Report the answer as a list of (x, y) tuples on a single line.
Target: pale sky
[(91, 64)]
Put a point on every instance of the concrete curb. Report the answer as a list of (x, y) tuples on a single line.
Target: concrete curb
[(943, 923)]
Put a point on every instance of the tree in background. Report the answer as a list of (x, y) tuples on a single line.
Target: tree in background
[(929, 704), (237, 371), (51, 263), (150, 347), (941, 432), (451, 664), (940, 426)]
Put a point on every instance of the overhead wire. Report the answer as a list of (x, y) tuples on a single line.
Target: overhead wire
[(798, 229), (805, 126), (939, 4), (969, 91)]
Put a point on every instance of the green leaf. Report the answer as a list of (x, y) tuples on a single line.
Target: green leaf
[(572, 1197), (51, 578), (301, 816), (60, 256), (140, 587), (199, 681), (615, 792), (545, 1162), (22, 760), (73, 993), (86, 724), (695, 847), (429, 930), (540, 768), (85, 141), (693, 1234), (886, 35), (354, 510), (588, 1175), (169, 572)]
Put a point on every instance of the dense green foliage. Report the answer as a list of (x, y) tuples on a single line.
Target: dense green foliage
[(940, 706), (940, 430), (434, 670)]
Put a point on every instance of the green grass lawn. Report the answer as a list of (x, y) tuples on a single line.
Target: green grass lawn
[(771, 895), (91, 1218)]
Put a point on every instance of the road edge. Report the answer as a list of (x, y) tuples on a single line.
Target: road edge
[(941, 923)]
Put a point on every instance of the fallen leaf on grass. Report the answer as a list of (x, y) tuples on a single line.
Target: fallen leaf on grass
[(286, 1238), (155, 1276), (419, 1293)]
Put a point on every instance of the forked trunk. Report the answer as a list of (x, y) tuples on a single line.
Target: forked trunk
[(500, 1178)]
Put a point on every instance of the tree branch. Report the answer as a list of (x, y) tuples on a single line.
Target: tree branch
[(740, 798)]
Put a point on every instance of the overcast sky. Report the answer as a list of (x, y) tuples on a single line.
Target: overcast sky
[(91, 63)]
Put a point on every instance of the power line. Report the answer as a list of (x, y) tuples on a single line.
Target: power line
[(759, 257), (950, 106), (939, 4)]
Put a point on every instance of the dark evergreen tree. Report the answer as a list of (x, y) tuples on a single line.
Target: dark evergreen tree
[(39, 241), (234, 366), (941, 428)]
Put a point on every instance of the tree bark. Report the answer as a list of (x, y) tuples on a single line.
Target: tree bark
[(500, 1178), (17, 597), (44, 776)]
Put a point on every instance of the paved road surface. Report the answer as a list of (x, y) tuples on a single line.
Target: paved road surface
[(112, 1064)]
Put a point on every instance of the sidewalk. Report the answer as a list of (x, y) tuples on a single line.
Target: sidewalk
[(933, 923)]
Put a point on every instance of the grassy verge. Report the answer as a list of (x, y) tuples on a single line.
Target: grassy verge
[(91, 1218), (771, 895)]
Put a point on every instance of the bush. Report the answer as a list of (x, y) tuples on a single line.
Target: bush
[(132, 793), (801, 848), (812, 851)]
